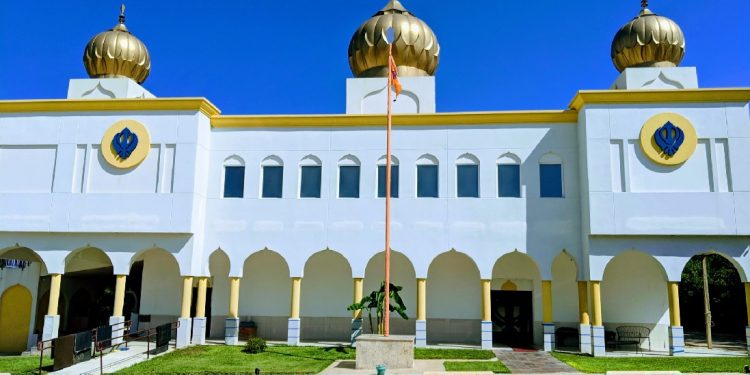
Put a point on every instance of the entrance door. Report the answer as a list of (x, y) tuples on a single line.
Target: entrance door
[(209, 292), (512, 318), (15, 317)]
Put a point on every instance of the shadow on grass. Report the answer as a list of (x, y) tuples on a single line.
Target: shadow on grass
[(337, 349)]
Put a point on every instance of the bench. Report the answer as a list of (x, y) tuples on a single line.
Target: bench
[(632, 335)]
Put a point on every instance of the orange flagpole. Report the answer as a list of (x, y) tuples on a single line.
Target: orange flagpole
[(386, 299)]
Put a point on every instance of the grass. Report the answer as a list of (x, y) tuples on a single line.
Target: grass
[(495, 366), (423, 353), (21, 364), (589, 364)]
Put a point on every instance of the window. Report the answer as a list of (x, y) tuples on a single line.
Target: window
[(394, 177), (273, 177), (509, 180), (349, 177), (550, 177), (234, 181), (310, 177), (467, 176), (427, 177)]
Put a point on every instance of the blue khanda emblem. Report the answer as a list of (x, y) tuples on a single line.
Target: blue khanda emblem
[(669, 138), (125, 143)]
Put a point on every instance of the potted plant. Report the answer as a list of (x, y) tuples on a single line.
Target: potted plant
[(248, 329)]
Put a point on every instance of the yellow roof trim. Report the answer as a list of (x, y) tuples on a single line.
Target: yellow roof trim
[(432, 119), (94, 105), (586, 97)]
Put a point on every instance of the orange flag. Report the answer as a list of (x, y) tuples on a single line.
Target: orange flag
[(393, 77)]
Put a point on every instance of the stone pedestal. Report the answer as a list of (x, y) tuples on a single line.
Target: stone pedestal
[(676, 340), (199, 331), (597, 341), (292, 331), (548, 330), (51, 327), (183, 332), (106, 88), (231, 331), (394, 351), (421, 333), (486, 334), (118, 329), (584, 338), (356, 330), (657, 78)]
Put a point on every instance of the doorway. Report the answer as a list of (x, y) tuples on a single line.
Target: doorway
[(512, 318), (209, 292), (15, 318)]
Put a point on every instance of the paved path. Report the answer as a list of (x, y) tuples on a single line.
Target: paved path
[(532, 363), (113, 361)]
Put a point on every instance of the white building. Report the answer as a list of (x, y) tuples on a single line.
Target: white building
[(506, 224)]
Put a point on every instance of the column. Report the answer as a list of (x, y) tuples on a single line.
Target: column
[(676, 334), (486, 314), (52, 319), (357, 314), (597, 328), (747, 306), (548, 324), (184, 322), (199, 322), (584, 328), (293, 326), (421, 322), (117, 320), (232, 322)]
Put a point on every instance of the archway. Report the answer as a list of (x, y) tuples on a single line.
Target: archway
[(30, 274), (402, 274), (326, 292), (265, 292), (634, 292), (154, 288), (516, 301), (88, 283), (454, 299), (15, 318), (565, 297), (218, 265)]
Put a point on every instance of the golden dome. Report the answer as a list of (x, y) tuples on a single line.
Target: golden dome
[(648, 40), (416, 49), (117, 53)]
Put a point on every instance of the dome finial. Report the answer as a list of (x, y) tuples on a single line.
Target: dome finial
[(644, 3), (122, 13)]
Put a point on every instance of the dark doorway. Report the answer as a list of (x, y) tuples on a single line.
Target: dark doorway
[(512, 318), (209, 291)]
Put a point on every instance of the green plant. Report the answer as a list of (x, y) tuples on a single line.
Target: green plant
[(376, 300), (255, 345)]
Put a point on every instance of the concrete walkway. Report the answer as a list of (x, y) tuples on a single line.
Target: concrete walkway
[(532, 362), (114, 361)]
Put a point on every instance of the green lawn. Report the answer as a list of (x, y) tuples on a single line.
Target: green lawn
[(21, 364), (495, 366), (585, 363), (424, 353)]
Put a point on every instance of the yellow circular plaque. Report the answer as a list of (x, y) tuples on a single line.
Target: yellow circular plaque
[(125, 144), (681, 134)]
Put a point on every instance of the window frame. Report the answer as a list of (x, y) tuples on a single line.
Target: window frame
[(468, 160), (348, 161), (381, 163), (270, 161), (552, 159), (427, 160), (310, 161), (232, 161)]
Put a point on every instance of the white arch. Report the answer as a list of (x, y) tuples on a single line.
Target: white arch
[(508, 158), (381, 160), (234, 161), (428, 159), (550, 158), (349, 160), (98, 258), (272, 161), (467, 159), (310, 161)]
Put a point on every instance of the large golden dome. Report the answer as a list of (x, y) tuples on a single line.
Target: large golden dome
[(648, 40), (117, 53), (416, 49)]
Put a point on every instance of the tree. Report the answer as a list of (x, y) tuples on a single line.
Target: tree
[(375, 300), (725, 290)]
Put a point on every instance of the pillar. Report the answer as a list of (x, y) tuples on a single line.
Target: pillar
[(747, 306), (548, 324), (486, 314), (52, 319), (676, 334), (232, 322), (184, 322), (293, 326), (584, 327), (199, 322), (357, 314), (597, 327), (421, 322), (117, 320)]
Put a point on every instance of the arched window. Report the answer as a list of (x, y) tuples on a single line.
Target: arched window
[(381, 177), (427, 176), (234, 177), (550, 176), (272, 179), (467, 176), (310, 171), (349, 167), (509, 176)]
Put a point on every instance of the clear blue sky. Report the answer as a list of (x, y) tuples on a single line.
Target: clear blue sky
[(290, 56)]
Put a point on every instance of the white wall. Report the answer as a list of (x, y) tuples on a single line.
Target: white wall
[(219, 269), (265, 287), (402, 274), (161, 287), (327, 287), (453, 288), (564, 290)]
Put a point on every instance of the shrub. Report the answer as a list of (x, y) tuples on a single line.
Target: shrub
[(255, 345)]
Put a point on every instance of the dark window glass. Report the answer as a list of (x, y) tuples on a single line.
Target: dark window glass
[(310, 182), (349, 181), (427, 181), (394, 181), (468, 181), (550, 181), (509, 180), (234, 182), (273, 179)]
